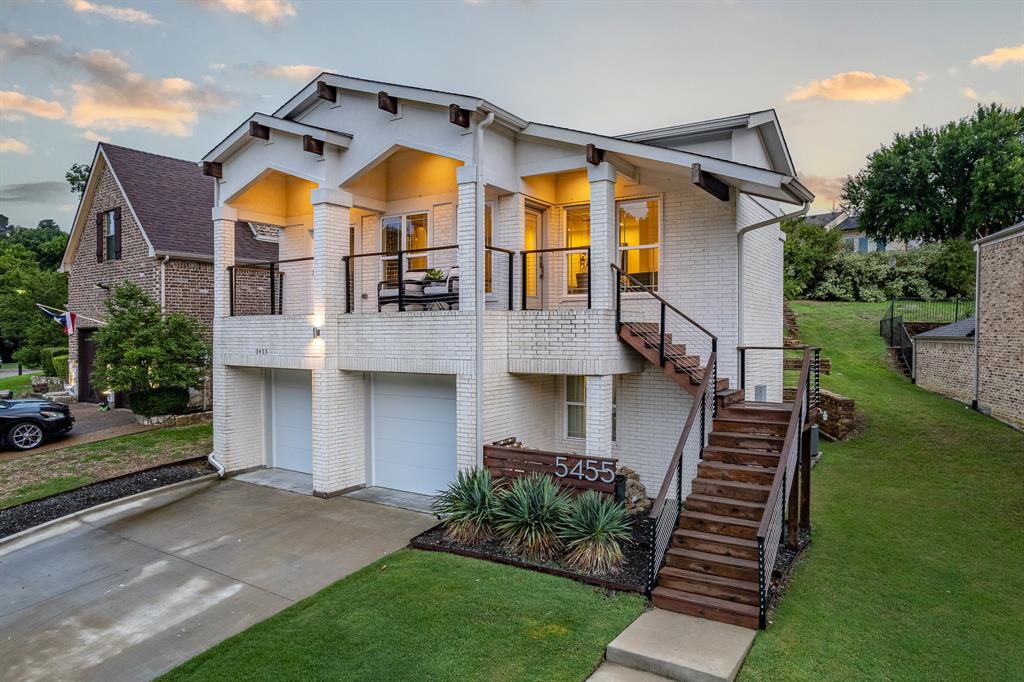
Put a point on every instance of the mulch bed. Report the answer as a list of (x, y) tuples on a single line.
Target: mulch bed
[(20, 517), (630, 577), (785, 562)]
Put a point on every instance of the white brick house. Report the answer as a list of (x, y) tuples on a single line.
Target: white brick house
[(315, 372)]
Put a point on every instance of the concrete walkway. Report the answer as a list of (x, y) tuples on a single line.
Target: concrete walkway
[(128, 592)]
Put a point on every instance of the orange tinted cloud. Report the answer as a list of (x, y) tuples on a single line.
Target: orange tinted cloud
[(13, 104), (293, 72), (1003, 55), (267, 12), (125, 14), (853, 86), (826, 190), (8, 145)]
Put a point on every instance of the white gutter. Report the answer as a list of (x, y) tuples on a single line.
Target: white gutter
[(215, 464), (740, 340), (478, 286)]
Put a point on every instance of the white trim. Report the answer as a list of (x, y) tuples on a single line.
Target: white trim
[(401, 235), (659, 198), (239, 137), (1001, 235)]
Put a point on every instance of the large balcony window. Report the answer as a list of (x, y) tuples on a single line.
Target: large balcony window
[(577, 235), (639, 235), (403, 233)]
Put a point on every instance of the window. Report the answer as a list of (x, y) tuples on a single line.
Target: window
[(576, 406), (639, 233), (880, 245), (577, 234), (402, 233), (488, 231), (862, 244), (111, 228)]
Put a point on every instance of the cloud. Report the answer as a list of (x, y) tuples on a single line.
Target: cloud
[(13, 104), (125, 14), (853, 86), (826, 190), (969, 93), (9, 145), (35, 193), (292, 72), (1000, 56), (111, 96), (921, 77), (266, 12), (95, 137)]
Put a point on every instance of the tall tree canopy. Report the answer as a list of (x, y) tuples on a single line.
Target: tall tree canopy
[(23, 283), (47, 241), (77, 176), (960, 181)]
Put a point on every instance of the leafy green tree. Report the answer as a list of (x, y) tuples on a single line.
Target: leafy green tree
[(47, 242), (809, 250), (5, 225), (77, 176), (139, 348), (960, 181), (23, 283)]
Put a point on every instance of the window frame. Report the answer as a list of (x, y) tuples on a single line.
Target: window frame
[(111, 232), (402, 245), (658, 199), (566, 403), (489, 206), (565, 294)]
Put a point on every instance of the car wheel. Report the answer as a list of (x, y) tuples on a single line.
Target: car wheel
[(25, 436)]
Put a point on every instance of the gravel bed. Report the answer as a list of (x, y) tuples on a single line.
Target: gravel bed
[(22, 516), (631, 575), (785, 561)]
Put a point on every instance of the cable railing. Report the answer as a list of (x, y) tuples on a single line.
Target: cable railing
[(770, 366), (769, 533), (283, 287), (682, 468), (405, 279), (577, 276), (681, 340)]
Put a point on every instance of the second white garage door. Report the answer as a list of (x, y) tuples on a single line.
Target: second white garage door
[(413, 431)]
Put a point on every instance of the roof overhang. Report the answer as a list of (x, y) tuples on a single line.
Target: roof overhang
[(1007, 233), (240, 137), (747, 179), (307, 97)]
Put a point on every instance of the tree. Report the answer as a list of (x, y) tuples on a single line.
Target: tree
[(139, 348), (960, 181), (47, 242), (77, 176), (5, 225), (809, 250), (23, 283)]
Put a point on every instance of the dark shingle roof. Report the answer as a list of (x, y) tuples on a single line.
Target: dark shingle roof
[(174, 203), (850, 223), (960, 329)]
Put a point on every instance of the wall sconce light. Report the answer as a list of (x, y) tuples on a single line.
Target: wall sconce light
[(101, 285), (316, 332)]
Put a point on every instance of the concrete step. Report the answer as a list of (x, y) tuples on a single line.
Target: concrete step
[(613, 672)]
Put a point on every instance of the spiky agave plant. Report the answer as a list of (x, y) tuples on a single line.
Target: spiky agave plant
[(593, 530), (527, 517), (467, 506)]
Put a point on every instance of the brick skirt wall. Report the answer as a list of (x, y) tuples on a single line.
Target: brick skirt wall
[(945, 367)]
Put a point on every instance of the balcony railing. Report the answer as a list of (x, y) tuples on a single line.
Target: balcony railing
[(406, 279), (577, 278), (283, 287)]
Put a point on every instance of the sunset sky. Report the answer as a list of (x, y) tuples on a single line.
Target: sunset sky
[(175, 77)]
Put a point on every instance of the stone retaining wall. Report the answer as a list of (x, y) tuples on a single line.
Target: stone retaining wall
[(175, 419), (841, 420)]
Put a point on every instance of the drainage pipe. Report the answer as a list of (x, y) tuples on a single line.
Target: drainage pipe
[(215, 464), (977, 327), (478, 286)]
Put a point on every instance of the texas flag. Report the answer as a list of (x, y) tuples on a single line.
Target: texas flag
[(65, 318)]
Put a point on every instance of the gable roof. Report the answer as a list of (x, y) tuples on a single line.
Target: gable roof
[(840, 220), (961, 329), (172, 202)]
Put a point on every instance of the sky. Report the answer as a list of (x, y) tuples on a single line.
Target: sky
[(174, 77)]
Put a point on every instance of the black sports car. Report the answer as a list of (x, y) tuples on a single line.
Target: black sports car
[(24, 424)]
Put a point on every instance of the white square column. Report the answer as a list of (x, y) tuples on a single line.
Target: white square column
[(603, 235), (466, 237), (224, 218), (599, 415), (331, 209), (339, 431), (510, 233)]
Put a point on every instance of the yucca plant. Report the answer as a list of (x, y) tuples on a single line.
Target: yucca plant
[(467, 507), (593, 530), (527, 517)]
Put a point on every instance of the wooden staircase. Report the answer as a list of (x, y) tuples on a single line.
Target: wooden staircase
[(711, 565)]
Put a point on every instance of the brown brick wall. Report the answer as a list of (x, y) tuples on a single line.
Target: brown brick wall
[(189, 289), (1001, 330), (945, 367)]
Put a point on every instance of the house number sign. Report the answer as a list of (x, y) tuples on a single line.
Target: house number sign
[(586, 470), (262, 351)]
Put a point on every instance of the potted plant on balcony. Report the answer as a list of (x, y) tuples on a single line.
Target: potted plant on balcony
[(435, 275)]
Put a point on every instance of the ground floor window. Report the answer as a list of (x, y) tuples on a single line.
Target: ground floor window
[(576, 406)]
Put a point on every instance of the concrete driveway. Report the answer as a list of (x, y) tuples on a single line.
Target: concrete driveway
[(129, 592)]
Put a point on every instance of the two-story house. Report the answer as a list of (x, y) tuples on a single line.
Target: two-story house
[(143, 218), (451, 275)]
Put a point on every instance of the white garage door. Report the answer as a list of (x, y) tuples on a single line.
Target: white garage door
[(413, 431), (292, 405)]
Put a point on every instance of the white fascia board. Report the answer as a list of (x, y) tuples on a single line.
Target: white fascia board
[(305, 97), (774, 140), (74, 235), (716, 125), (239, 137)]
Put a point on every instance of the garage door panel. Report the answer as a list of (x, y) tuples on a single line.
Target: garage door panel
[(292, 402), (414, 432), (416, 408)]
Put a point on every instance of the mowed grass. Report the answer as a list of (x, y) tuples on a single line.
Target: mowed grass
[(428, 616), (49, 473), (916, 567), (20, 384)]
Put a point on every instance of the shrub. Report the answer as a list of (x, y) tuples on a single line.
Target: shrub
[(468, 505), (46, 359), (528, 514), (60, 367), (593, 530), (163, 400)]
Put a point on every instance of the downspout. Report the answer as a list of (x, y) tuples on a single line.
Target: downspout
[(977, 326), (740, 340), (163, 283), (215, 464), (478, 284)]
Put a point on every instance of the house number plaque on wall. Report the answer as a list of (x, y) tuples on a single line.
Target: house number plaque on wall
[(586, 470), (262, 351)]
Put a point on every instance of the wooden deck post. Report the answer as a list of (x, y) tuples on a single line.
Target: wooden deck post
[(805, 480), (793, 513)]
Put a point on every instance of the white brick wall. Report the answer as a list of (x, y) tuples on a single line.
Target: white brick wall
[(762, 300), (339, 430), (599, 415), (238, 417)]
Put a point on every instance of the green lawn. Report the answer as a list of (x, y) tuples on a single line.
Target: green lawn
[(916, 569), (428, 616), (48, 473), (19, 384)]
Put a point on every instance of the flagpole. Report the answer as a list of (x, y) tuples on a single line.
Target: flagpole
[(79, 315)]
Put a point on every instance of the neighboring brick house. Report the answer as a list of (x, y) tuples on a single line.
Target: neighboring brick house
[(143, 218), (981, 360)]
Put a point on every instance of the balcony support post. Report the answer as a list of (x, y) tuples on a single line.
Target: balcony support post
[(603, 231), (331, 220)]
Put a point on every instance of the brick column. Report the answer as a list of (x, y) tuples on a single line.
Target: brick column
[(339, 431), (224, 218), (603, 235), (510, 233), (466, 452), (466, 237), (599, 415), (331, 209), (224, 442)]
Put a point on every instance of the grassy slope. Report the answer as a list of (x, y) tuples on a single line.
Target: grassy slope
[(425, 616), (19, 384), (48, 473), (917, 564)]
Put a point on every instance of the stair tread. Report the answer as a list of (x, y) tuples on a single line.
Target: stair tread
[(711, 602), (724, 466), (722, 581), (715, 537), (713, 558), (725, 500), (740, 451), (717, 518)]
